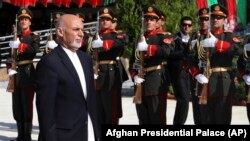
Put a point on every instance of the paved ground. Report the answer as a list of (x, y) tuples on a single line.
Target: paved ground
[(8, 127)]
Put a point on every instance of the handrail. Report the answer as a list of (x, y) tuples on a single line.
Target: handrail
[(4, 41)]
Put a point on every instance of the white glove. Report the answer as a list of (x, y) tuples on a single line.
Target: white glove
[(138, 80), (247, 47), (98, 43), (95, 76), (193, 42), (209, 42), (202, 79), (14, 44), (11, 72), (246, 79), (142, 46), (51, 44)]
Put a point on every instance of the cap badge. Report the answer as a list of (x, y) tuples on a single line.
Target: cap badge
[(217, 8), (150, 9), (24, 11), (204, 11), (106, 10)]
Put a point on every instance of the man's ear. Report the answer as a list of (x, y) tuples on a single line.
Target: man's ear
[(59, 31)]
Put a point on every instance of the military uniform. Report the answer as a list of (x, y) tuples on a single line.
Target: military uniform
[(243, 64), (22, 97), (109, 80), (221, 82), (199, 110), (152, 110), (123, 74), (52, 36)]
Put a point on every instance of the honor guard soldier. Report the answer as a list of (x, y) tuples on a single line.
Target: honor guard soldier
[(180, 77), (199, 110), (52, 39), (244, 69), (108, 46), (27, 45), (150, 79), (161, 21), (218, 80), (160, 28), (123, 74)]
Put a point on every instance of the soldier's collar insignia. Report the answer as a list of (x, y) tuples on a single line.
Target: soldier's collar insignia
[(106, 10), (24, 11), (150, 9), (217, 8)]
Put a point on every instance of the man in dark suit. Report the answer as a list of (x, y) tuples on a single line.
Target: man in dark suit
[(66, 100), (121, 34), (179, 75)]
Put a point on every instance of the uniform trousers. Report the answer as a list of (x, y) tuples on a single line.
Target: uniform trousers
[(221, 89), (152, 110)]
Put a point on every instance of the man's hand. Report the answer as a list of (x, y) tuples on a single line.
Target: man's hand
[(209, 42), (98, 43), (142, 46), (14, 44), (193, 42), (202, 79), (246, 79), (51, 44), (11, 72), (138, 80), (95, 76), (247, 47)]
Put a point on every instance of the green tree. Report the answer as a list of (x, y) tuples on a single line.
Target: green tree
[(130, 20), (130, 16)]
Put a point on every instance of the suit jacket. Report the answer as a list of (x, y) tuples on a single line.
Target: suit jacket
[(177, 58), (61, 106)]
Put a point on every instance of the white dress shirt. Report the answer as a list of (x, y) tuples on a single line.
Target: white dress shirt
[(184, 37), (79, 69)]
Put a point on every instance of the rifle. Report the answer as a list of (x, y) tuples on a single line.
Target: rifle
[(50, 36), (11, 84), (204, 91), (138, 92), (95, 52), (207, 73)]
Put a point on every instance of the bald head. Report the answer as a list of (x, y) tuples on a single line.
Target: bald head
[(66, 19), (69, 30)]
